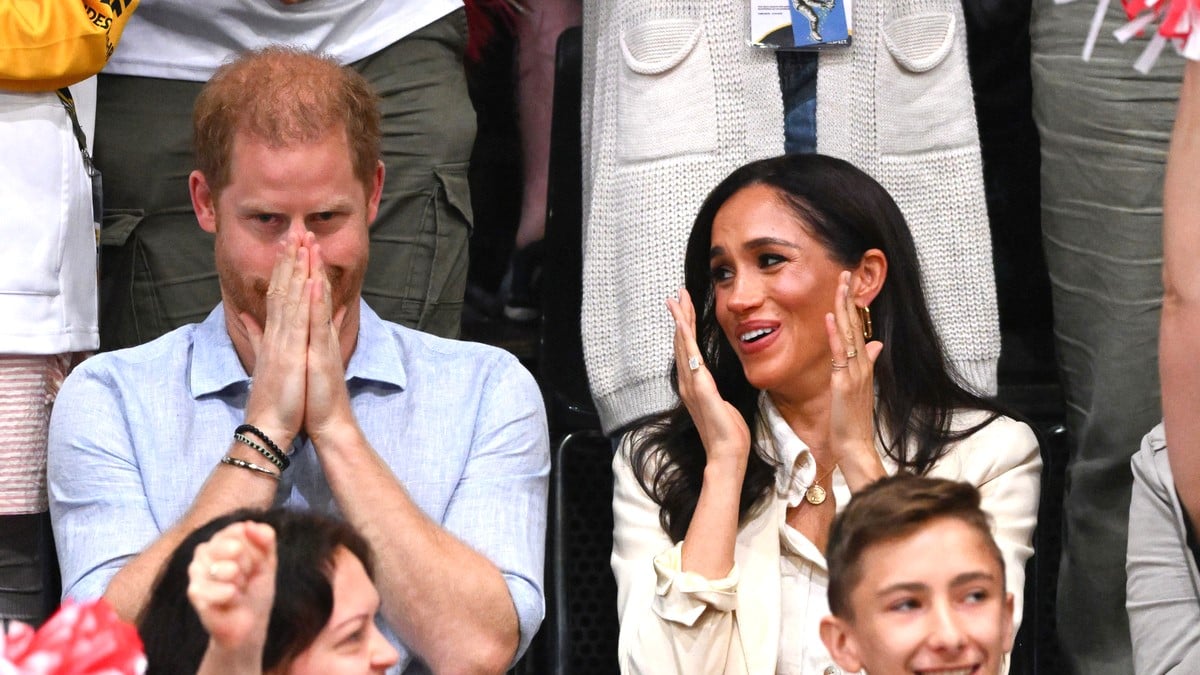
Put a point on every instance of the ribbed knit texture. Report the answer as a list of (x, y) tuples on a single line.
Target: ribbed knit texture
[(899, 105), (668, 113), (674, 100)]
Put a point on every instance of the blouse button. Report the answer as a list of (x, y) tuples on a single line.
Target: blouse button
[(831, 670)]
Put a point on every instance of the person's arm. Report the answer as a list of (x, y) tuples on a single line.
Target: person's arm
[(102, 520), (452, 604), (671, 621), (46, 45), (675, 602), (711, 536), (1161, 595), (1179, 333)]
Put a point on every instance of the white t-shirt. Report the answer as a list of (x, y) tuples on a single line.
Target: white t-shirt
[(187, 40)]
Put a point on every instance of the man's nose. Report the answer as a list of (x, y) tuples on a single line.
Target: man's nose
[(298, 226)]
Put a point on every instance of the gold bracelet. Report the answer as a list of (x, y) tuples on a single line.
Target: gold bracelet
[(243, 464)]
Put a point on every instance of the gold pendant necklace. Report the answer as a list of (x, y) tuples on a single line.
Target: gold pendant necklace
[(815, 494)]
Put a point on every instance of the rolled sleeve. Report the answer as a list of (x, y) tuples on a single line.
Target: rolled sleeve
[(671, 621), (1162, 598), (683, 596), (499, 506), (97, 503)]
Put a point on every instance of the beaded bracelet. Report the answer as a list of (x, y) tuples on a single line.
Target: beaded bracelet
[(282, 463), (243, 464), (250, 428)]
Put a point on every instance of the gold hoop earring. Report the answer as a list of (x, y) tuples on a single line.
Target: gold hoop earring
[(864, 314)]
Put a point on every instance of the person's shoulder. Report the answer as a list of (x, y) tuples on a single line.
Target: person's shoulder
[(1001, 428), (150, 356), (995, 448), (470, 365)]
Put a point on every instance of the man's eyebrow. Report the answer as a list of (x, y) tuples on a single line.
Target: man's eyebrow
[(760, 242)]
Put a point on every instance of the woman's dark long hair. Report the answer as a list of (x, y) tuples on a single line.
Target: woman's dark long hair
[(849, 213), (305, 545)]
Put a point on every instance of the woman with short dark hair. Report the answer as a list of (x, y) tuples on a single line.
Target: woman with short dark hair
[(807, 368), (275, 591)]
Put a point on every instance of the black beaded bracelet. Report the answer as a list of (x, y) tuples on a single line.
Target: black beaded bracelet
[(281, 462), (250, 428)]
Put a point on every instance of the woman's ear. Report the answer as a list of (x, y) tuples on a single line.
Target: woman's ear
[(867, 279)]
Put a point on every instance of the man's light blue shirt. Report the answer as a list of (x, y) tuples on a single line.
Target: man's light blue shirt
[(135, 433)]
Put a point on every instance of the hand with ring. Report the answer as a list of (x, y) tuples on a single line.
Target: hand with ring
[(231, 584), (723, 431), (852, 388)]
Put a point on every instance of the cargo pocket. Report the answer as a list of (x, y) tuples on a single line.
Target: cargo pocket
[(119, 260), (418, 270), (924, 102), (666, 99)]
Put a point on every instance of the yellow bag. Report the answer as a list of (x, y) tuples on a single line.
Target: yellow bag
[(49, 44)]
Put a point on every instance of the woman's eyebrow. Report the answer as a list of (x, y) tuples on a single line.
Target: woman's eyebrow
[(760, 242)]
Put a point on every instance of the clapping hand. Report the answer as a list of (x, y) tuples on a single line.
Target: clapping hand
[(852, 383), (232, 586), (723, 430)]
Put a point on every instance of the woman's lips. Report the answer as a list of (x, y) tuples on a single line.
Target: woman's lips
[(755, 336)]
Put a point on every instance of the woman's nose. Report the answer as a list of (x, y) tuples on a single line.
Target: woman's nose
[(383, 654), (745, 292)]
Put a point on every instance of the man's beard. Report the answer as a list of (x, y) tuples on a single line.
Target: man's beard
[(246, 295)]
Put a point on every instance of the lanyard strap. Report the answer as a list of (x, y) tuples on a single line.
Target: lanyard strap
[(68, 102)]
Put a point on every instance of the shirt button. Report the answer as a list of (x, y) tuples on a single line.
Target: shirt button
[(831, 670)]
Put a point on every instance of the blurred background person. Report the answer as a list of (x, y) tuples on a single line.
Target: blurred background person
[(277, 591), (48, 314)]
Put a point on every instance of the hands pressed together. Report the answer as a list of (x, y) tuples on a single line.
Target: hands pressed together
[(299, 377)]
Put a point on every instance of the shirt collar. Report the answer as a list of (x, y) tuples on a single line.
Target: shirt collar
[(378, 356), (797, 468), (215, 365)]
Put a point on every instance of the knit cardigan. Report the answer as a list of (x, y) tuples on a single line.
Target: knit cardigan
[(675, 99)]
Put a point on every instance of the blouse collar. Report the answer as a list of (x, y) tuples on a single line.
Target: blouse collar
[(797, 467)]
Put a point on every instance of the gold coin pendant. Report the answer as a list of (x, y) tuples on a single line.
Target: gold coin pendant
[(815, 494)]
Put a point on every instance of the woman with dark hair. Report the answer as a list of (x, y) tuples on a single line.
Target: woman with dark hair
[(275, 591), (807, 368)]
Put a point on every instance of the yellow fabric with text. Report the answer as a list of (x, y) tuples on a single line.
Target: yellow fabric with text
[(48, 44)]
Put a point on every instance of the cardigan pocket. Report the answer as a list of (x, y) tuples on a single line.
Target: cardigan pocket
[(924, 100), (666, 98)]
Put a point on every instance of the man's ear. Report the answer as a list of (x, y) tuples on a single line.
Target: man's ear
[(203, 202), (867, 279), (1007, 620), (376, 193), (839, 638)]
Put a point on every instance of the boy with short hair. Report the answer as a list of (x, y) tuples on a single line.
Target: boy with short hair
[(916, 582)]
